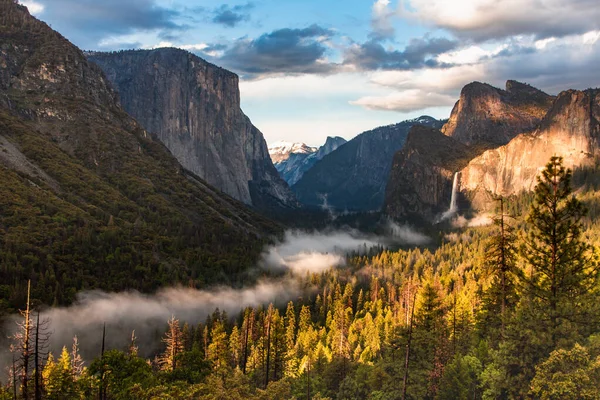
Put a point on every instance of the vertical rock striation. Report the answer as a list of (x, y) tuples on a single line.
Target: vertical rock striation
[(193, 107)]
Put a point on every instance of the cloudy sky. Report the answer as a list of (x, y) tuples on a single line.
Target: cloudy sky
[(313, 68)]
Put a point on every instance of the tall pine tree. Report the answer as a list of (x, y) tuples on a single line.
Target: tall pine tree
[(562, 267)]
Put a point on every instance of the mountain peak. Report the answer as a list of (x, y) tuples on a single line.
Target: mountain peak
[(282, 150), (488, 116)]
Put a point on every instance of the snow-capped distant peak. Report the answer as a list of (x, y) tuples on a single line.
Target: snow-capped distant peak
[(280, 151), (290, 147)]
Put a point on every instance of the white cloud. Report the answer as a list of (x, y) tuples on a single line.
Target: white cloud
[(468, 55), (541, 44), (381, 20), (33, 7), (306, 86), (487, 19), (591, 37), (405, 101), (446, 80)]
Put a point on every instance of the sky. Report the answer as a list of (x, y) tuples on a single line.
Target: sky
[(316, 68)]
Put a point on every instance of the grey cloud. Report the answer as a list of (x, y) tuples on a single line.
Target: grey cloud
[(231, 16), (86, 22), (419, 53), (561, 67), (281, 51)]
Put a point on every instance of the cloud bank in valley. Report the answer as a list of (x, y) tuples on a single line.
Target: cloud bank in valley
[(296, 255)]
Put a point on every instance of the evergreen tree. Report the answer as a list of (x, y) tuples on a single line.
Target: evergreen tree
[(60, 378), (562, 268), (500, 259)]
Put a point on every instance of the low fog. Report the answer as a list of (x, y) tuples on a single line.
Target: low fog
[(296, 255)]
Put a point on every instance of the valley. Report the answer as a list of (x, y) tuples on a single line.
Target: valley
[(156, 244)]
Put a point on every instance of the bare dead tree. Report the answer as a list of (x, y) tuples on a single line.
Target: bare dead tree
[(22, 347), (76, 359), (41, 340), (133, 348), (101, 388), (14, 376)]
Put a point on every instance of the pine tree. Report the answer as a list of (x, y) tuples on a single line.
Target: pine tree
[(501, 265), (218, 349), (291, 361), (562, 266), (59, 378)]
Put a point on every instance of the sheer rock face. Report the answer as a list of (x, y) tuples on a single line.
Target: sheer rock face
[(420, 183), (490, 117), (354, 176), (193, 107), (570, 130)]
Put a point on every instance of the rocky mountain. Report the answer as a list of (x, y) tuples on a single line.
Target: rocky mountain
[(89, 199), (354, 176), (292, 160), (423, 172), (281, 151), (489, 117), (569, 128), (193, 107)]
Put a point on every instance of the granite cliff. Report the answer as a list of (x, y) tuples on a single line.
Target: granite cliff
[(571, 130), (193, 107)]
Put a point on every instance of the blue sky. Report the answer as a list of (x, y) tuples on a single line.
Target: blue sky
[(310, 68)]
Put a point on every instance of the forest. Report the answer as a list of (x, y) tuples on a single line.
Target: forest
[(507, 311)]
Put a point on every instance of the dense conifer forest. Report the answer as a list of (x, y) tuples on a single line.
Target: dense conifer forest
[(498, 312)]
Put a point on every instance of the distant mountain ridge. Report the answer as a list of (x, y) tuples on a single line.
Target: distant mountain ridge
[(292, 160), (354, 176), (193, 107)]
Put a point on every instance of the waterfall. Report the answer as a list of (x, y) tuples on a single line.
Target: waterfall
[(453, 201), (453, 206)]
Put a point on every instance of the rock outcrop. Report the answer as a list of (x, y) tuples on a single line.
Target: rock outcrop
[(354, 176), (420, 183), (193, 107), (489, 117), (570, 129), (292, 161)]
